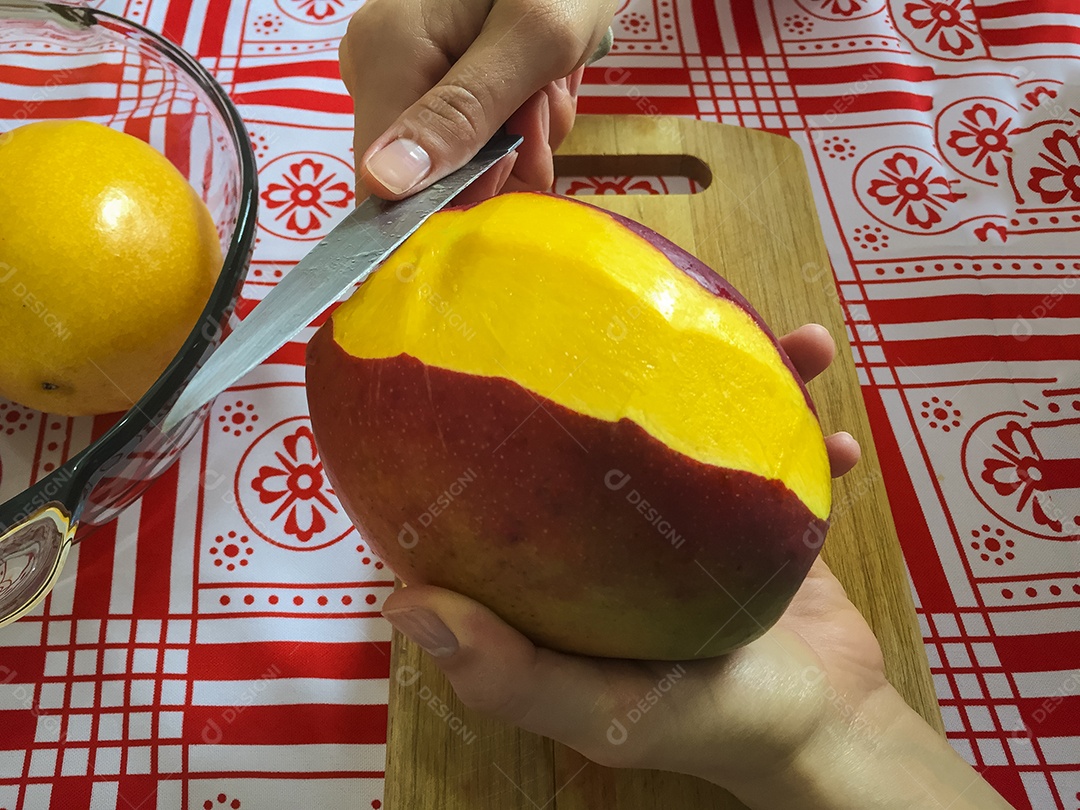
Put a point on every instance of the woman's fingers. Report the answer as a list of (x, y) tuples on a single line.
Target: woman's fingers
[(844, 453), (496, 670), (811, 349), (518, 50)]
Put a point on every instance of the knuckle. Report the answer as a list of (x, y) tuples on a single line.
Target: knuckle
[(368, 26), (562, 36), (452, 112), (499, 701)]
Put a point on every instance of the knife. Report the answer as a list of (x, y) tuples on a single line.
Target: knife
[(346, 256)]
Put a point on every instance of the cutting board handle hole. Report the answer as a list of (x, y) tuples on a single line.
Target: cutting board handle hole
[(590, 175)]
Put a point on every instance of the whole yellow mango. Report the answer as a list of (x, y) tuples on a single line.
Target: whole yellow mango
[(107, 257)]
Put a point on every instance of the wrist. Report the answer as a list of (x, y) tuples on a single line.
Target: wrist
[(879, 755)]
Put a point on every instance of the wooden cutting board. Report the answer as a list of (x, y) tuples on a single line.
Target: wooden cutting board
[(755, 222)]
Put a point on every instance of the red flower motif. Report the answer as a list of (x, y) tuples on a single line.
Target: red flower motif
[(306, 195), (920, 193), (984, 230), (952, 22), (1062, 179), (841, 8), (1034, 98), (319, 9), (1023, 469), (299, 484), (982, 135), (622, 185)]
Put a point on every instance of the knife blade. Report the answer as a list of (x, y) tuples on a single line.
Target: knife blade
[(347, 255)]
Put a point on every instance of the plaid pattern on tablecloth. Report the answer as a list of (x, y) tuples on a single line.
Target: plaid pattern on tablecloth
[(219, 646)]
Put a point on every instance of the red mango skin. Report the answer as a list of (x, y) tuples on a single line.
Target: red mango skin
[(590, 537)]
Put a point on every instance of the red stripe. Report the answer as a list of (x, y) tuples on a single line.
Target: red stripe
[(176, 19), (955, 307), (71, 793), (1031, 35), (638, 105), (96, 561), (37, 77), (298, 100), (326, 69), (65, 108), (177, 147), (632, 76), (138, 128), (244, 305), (22, 665), (1005, 779), (291, 354), (746, 28), (309, 659), (155, 543), (301, 724), (19, 727), (1052, 651), (135, 791), (1056, 715), (710, 42), (915, 539), (853, 74), (1018, 8), (102, 424), (38, 445), (866, 102), (979, 349), (213, 29)]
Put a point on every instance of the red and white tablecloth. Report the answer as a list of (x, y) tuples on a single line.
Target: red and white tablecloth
[(220, 645)]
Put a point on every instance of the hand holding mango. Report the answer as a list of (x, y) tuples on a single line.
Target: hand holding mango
[(482, 422), (562, 415), (802, 716)]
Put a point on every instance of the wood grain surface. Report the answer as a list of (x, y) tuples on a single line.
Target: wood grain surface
[(755, 223)]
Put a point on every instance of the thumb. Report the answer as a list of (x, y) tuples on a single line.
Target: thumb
[(496, 670), (518, 51)]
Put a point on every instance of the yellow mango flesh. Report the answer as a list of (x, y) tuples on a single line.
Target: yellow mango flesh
[(576, 308)]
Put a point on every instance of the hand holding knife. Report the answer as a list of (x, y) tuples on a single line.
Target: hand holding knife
[(346, 256)]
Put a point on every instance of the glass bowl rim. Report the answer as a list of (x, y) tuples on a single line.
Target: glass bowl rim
[(69, 482)]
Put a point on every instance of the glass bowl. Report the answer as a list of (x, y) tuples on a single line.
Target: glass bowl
[(65, 62)]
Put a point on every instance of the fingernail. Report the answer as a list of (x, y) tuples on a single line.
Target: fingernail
[(426, 629), (399, 165)]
